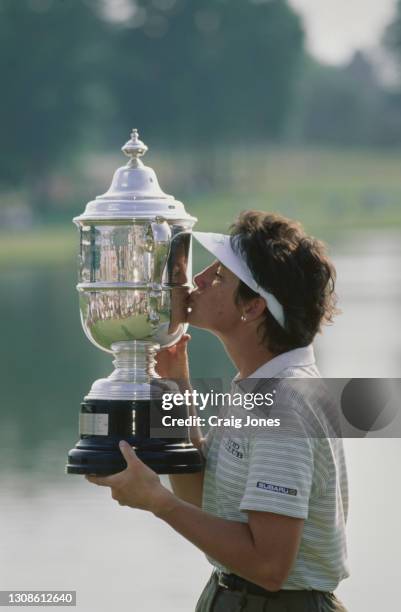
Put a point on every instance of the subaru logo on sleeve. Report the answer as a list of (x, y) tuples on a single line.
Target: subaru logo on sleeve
[(268, 486)]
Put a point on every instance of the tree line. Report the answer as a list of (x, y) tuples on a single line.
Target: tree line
[(76, 74)]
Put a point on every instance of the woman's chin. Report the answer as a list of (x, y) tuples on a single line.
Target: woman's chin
[(191, 317), (193, 320)]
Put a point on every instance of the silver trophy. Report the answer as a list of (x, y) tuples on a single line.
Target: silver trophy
[(134, 281)]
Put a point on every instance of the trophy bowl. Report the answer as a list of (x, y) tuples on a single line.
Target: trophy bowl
[(135, 270)]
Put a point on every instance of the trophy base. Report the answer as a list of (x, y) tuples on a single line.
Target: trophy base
[(103, 423), (168, 460)]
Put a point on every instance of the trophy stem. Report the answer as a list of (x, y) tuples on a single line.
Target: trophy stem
[(134, 361), (134, 370)]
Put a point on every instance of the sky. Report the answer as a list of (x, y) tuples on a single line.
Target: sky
[(336, 28)]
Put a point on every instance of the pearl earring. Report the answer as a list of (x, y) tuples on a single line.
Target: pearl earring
[(243, 318)]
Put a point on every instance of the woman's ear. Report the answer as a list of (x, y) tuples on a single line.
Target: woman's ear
[(253, 309)]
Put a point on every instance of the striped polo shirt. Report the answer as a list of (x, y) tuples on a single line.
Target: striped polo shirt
[(299, 476)]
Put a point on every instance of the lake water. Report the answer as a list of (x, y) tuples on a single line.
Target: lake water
[(59, 532)]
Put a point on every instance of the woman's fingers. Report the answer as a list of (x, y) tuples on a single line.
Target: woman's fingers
[(172, 361), (183, 341)]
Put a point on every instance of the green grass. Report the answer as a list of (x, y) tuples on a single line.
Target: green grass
[(49, 246), (329, 191)]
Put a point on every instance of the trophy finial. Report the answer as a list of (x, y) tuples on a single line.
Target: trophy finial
[(134, 149)]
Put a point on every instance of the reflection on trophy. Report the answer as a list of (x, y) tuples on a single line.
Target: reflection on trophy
[(135, 276)]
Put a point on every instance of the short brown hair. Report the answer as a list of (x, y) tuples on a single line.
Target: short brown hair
[(293, 266)]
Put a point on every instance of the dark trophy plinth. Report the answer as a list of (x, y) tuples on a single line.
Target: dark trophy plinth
[(134, 281), (98, 453)]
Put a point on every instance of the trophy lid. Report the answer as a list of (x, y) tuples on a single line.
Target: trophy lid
[(134, 193)]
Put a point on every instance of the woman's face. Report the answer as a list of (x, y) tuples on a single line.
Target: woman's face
[(211, 305)]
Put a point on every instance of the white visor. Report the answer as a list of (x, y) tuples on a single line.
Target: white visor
[(219, 245)]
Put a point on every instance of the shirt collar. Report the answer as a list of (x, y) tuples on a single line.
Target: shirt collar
[(297, 358)]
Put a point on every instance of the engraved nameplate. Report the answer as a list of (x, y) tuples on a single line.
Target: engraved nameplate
[(93, 424)]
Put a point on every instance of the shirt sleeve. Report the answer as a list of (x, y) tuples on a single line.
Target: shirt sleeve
[(280, 475)]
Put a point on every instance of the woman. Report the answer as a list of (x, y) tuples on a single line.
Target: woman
[(269, 512)]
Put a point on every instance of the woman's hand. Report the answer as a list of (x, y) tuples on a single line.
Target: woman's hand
[(172, 362), (137, 486)]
